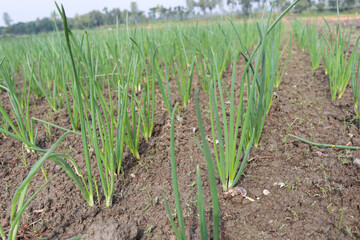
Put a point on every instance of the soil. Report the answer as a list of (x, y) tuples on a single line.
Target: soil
[(313, 193)]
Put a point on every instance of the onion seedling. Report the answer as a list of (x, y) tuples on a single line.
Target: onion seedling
[(146, 104), (146, 107), (18, 204), (355, 79), (300, 33), (79, 102), (59, 159), (132, 118), (52, 88), (183, 71), (228, 150), (180, 233), (315, 45), (109, 149), (23, 126), (274, 56), (165, 93), (261, 90), (339, 60), (202, 70)]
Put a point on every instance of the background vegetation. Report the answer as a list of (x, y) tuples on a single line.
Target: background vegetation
[(193, 9)]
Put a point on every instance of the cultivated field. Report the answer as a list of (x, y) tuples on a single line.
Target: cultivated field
[(132, 132)]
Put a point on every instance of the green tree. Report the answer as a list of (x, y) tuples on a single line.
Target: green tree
[(152, 13), (190, 5), (77, 22), (282, 4), (107, 16), (320, 6), (96, 18), (232, 4), (179, 12), (115, 14), (124, 14), (348, 3), (302, 5), (332, 3), (245, 6), (162, 11), (134, 11), (203, 4), (7, 19), (212, 4)]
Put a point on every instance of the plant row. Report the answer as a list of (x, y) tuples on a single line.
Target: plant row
[(107, 84)]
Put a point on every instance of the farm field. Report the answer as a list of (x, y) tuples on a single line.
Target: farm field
[(113, 82)]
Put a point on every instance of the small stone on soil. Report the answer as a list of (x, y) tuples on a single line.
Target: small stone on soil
[(266, 192), (232, 192), (357, 162)]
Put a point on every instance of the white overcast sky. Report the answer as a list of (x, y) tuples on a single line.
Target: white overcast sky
[(29, 10)]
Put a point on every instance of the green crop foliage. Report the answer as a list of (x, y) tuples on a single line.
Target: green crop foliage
[(355, 79), (230, 153), (300, 33), (315, 45), (339, 60), (19, 204), (180, 231), (23, 126), (275, 55)]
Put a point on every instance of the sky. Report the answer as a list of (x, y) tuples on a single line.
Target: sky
[(29, 10)]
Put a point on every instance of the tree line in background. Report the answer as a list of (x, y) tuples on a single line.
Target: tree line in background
[(193, 9)]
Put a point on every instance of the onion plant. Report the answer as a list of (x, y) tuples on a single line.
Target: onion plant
[(202, 70), (227, 149), (79, 103), (339, 59), (300, 33), (3, 123), (260, 92), (184, 79), (71, 106), (65, 161), (161, 79), (146, 104), (275, 55), (23, 125), (315, 45), (99, 131), (180, 232), (225, 125), (47, 78), (132, 121), (146, 107), (355, 80), (19, 202), (183, 71)]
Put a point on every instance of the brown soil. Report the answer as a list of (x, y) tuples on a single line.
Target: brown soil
[(320, 197)]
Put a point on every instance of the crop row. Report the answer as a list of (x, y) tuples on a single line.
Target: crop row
[(107, 82), (339, 52)]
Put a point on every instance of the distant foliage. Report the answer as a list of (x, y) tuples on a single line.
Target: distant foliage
[(192, 8)]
